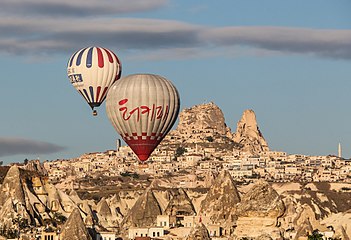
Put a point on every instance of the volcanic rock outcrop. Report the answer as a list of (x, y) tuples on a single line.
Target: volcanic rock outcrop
[(203, 116), (180, 203), (205, 124), (199, 233), (74, 228), (202, 121), (249, 135), (258, 212), (32, 199), (12, 187), (219, 205), (13, 201), (144, 212)]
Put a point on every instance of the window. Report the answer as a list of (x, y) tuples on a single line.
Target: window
[(158, 234), (153, 234), (165, 223)]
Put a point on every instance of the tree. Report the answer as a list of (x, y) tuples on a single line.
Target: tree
[(1, 162), (59, 218), (25, 161), (209, 138), (316, 235), (180, 151)]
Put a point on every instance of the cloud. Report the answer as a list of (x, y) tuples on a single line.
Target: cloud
[(59, 8), (36, 34), (45, 36), (321, 42), (12, 146)]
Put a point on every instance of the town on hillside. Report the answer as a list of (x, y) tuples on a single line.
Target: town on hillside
[(202, 182)]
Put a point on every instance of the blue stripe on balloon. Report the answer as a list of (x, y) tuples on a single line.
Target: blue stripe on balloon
[(83, 95), (87, 95), (71, 60), (91, 93), (79, 58), (90, 57)]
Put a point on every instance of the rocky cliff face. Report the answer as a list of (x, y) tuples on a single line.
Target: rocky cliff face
[(36, 166), (248, 134), (74, 228), (144, 212), (205, 123), (203, 117), (180, 203), (199, 232), (34, 200), (12, 187), (199, 122), (261, 201), (13, 200), (219, 205), (258, 212)]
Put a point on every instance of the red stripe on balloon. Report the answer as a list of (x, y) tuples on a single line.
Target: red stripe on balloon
[(110, 59), (143, 145), (118, 76), (98, 93), (103, 95), (100, 58)]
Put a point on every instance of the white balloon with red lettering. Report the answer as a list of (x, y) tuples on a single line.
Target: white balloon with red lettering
[(142, 108), (92, 71)]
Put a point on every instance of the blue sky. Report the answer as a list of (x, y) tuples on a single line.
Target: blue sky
[(289, 61)]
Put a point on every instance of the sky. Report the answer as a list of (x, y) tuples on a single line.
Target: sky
[(289, 61)]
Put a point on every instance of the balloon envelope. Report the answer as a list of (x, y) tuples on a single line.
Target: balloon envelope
[(142, 108), (92, 71)]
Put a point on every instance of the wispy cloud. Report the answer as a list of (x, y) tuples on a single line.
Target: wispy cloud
[(320, 42), (38, 32), (59, 8), (12, 146)]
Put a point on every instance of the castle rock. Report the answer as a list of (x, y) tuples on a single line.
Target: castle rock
[(248, 134)]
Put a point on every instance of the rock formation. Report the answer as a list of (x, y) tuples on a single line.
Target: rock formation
[(74, 228), (199, 233), (13, 202), (205, 124), (36, 166), (202, 121), (118, 207), (12, 187), (220, 202), (144, 212), (249, 135), (180, 204), (203, 116), (258, 212), (261, 200)]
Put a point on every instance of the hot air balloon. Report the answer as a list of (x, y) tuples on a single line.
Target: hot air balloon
[(92, 71), (142, 108)]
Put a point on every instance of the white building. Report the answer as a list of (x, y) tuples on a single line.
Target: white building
[(106, 236), (145, 232)]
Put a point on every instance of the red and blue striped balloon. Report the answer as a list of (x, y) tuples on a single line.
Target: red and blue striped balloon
[(92, 71)]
